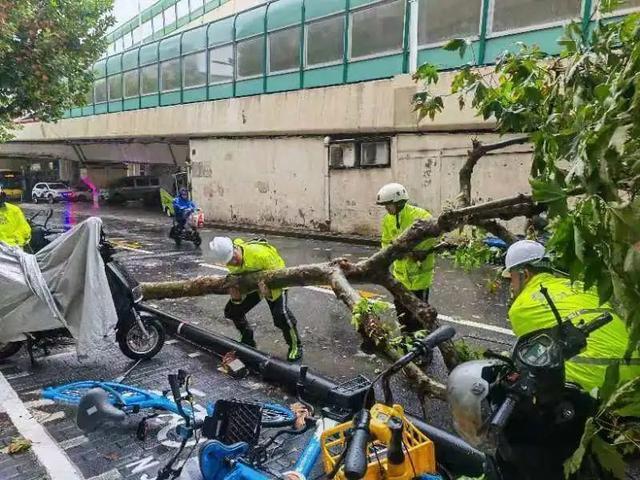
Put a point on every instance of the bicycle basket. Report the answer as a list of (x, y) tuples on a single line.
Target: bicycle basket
[(233, 422), (350, 394), (418, 449)]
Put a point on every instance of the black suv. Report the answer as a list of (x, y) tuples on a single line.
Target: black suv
[(145, 188)]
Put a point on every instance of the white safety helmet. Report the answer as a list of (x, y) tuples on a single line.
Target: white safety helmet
[(391, 193), (522, 253), (468, 387), (221, 249)]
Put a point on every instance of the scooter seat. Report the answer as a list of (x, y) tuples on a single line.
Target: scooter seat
[(95, 409)]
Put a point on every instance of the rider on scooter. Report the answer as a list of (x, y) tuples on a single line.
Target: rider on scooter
[(183, 208)]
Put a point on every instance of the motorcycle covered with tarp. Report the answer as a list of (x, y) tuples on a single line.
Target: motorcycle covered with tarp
[(72, 287)]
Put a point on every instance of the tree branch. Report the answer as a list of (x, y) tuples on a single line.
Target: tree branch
[(478, 151)]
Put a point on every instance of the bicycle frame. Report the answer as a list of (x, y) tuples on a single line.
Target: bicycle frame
[(126, 397), (224, 462)]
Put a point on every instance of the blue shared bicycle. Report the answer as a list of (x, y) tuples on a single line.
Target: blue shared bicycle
[(101, 402)]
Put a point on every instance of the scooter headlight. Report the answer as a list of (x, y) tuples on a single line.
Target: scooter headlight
[(137, 293)]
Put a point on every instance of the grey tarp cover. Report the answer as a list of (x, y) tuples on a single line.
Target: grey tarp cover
[(63, 285)]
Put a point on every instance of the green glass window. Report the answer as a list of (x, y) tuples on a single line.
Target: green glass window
[(115, 87), (250, 57), (170, 75), (194, 69), (378, 29), (146, 30), (325, 41), (131, 84), (158, 23), (149, 79), (442, 20), (284, 50), (100, 90), (170, 16), (519, 14), (182, 8), (221, 64)]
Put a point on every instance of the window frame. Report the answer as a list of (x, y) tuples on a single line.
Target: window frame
[(188, 14), (206, 69), (268, 56), (357, 142), (306, 65), (387, 53), (473, 38), (124, 83), (237, 77), (160, 63), (109, 77), (233, 67), (531, 28), (106, 90)]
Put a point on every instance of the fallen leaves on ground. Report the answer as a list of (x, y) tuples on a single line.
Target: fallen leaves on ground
[(17, 445)]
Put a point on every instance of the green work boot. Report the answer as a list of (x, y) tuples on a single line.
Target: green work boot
[(295, 352)]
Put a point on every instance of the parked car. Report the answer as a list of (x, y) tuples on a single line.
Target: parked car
[(51, 192), (145, 188), (84, 193)]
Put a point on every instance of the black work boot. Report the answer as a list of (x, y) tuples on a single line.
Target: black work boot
[(247, 338)]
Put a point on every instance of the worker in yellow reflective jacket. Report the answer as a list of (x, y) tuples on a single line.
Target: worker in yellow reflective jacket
[(529, 270), (415, 271), (255, 256), (14, 228)]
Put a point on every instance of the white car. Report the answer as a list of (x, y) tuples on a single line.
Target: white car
[(51, 192)]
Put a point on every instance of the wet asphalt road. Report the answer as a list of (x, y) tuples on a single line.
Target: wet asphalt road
[(330, 342), (331, 346)]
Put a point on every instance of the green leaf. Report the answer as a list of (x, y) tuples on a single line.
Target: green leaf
[(427, 72), (611, 380), (605, 289), (608, 457), (619, 138), (546, 191), (602, 92), (574, 462), (459, 44)]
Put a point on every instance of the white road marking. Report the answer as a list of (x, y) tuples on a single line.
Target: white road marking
[(444, 318), (73, 442), (18, 375), (131, 249), (171, 342), (50, 455), (110, 475), (194, 354)]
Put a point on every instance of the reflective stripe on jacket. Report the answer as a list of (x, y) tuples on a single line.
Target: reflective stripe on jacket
[(258, 255), (530, 312), (14, 228), (414, 275)]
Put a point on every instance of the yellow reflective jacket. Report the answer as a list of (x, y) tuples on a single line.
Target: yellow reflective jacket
[(530, 312), (258, 255), (414, 275), (14, 228)]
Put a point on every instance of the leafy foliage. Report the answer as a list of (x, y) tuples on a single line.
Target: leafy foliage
[(582, 112), (366, 310), (611, 433), (46, 50)]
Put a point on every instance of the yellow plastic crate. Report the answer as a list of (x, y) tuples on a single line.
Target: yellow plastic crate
[(417, 445)]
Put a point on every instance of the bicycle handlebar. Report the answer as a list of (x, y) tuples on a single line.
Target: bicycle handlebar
[(174, 383), (435, 338), (503, 414), (601, 321), (355, 458)]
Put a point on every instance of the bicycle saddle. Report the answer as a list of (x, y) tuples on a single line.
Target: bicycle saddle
[(95, 408)]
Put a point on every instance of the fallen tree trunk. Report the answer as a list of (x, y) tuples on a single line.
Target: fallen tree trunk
[(341, 273)]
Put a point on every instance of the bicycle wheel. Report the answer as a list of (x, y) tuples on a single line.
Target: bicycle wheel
[(276, 415)]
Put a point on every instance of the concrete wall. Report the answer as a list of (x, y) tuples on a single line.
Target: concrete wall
[(285, 181), (377, 106), (262, 181)]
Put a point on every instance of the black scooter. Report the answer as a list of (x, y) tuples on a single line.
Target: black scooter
[(180, 234), (139, 334)]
